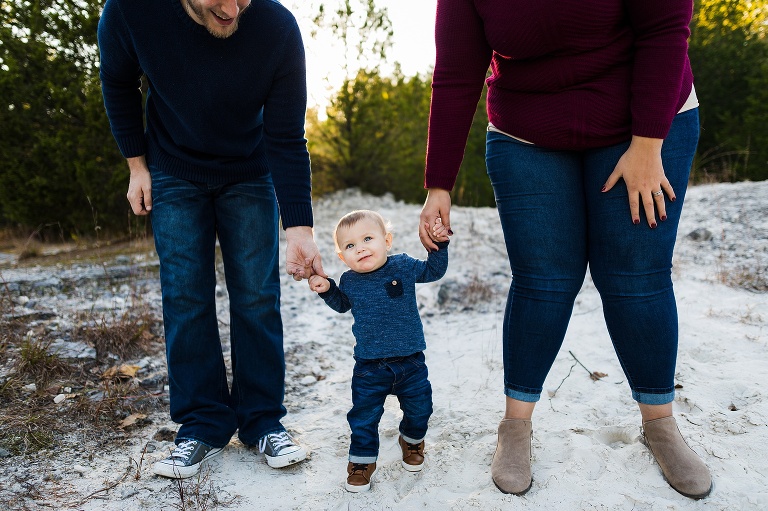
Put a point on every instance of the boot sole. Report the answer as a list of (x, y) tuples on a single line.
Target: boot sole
[(518, 493), (357, 489), (412, 468)]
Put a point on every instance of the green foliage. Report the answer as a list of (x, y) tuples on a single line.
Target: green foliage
[(473, 188), (728, 52), (58, 163), (363, 29), (374, 138), (61, 174), (375, 133)]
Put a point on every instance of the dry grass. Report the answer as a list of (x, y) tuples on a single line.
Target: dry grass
[(199, 494), (30, 419), (53, 408), (478, 290), (125, 336), (749, 277)]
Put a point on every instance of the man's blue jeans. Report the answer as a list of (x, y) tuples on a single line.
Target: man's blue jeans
[(556, 221), (372, 382), (187, 218)]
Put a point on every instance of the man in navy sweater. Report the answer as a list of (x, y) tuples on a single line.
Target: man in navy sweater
[(217, 145)]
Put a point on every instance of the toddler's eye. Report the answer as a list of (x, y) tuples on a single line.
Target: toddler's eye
[(351, 245), (368, 238)]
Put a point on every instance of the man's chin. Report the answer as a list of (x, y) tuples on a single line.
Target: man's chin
[(219, 31)]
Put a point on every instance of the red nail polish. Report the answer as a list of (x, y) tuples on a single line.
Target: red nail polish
[(673, 199), (603, 189), (450, 232), (653, 225), (663, 218), (636, 221)]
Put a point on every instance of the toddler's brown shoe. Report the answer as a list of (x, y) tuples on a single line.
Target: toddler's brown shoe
[(413, 455), (359, 476)]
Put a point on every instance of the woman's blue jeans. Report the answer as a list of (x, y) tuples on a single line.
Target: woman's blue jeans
[(187, 218), (372, 382), (556, 221)]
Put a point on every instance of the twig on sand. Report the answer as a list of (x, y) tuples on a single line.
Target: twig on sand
[(594, 375), (106, 488)]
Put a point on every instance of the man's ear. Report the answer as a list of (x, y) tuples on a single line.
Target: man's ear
[(388, 239)]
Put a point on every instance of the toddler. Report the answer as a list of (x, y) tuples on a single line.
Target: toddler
[(380, 291)]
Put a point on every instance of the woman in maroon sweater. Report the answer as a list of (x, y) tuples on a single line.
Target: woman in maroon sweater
[(593, 127)]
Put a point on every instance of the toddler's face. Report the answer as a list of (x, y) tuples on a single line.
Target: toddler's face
[(363, 246)]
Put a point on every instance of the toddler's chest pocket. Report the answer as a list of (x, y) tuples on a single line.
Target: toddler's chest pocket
[(394, 288)]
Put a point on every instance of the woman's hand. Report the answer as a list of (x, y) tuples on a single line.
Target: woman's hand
[(437, 206), (643, 173)]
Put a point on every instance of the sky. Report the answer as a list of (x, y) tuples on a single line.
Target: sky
[(413, 23)]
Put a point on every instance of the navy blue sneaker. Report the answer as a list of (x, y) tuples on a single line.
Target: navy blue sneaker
[(185, 460), (281, 450)]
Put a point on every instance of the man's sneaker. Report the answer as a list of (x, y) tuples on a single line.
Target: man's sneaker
[(413, 455), (281, 450), (185, 460), (359, 476)]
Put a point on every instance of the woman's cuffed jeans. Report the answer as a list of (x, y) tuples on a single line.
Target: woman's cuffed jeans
[(187, 218), (556, 221)]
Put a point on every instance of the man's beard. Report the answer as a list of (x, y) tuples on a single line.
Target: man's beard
[(200, 13)]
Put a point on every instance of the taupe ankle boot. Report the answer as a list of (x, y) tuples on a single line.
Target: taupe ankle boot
[(511, 465), (682, 468)]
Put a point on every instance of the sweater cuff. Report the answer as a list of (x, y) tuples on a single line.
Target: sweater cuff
[(132, 145), (444, 182), (326, 294), (651, 129), (442, 244), (296, 214)]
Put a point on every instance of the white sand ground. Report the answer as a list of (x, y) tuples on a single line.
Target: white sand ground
[(586, 452)]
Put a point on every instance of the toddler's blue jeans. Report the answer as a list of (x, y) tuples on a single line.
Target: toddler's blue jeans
[(556, 221), (372, 382)]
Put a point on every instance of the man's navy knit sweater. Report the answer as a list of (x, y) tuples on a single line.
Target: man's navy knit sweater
[(218, 110), (383, 303)]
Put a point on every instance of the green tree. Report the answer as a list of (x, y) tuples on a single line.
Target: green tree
[(375, 132), (349, 146), (473, 188), (57, 160), (728, 51)]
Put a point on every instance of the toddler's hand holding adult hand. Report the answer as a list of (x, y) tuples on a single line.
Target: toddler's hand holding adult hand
[(436, 207), (319, 284)]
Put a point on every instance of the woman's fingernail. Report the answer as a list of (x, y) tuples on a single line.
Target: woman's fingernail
[(602, 189), (450, 232), (673, 199), (663, 217), (636, 221), (653, 225)]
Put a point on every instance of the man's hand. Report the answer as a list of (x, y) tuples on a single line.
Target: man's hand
[(140, 186), (302, 259)]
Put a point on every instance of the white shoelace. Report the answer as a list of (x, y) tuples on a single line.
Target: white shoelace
[(184, 449), (278, 441)]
